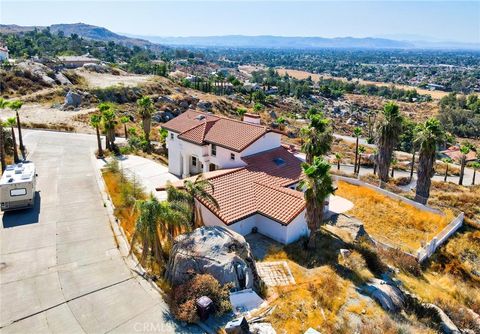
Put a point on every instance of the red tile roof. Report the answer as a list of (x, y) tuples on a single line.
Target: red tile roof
[(202, 128), (260, 188)]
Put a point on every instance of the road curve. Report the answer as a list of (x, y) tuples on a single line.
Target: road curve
[(60, 268)]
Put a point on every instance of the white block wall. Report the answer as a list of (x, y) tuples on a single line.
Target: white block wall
[(266, 226)]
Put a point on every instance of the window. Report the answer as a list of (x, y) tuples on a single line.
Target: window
[(171, 136), (214, 150), (194, 161), (18, 192), (232, 156)]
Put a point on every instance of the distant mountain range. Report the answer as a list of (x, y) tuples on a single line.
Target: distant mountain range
[(86, 31), (279, 42), (239, 41)]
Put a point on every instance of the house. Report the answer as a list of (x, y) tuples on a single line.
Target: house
[(254, 176), (3, 53), (453, 152), (77, 61), (200, 142)]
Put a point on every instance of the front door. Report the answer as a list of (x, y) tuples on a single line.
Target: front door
[(212, 167)]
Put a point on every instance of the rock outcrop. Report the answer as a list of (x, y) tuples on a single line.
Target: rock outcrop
[(213, 250), (72, 99)]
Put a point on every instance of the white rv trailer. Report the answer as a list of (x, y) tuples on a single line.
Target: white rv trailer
[(17, 186)]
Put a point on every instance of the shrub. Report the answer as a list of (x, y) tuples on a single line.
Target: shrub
[(183, 297), (403, 261)]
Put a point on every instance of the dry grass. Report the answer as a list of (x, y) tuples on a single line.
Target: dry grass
[(466, 199), (125, 214), (391, 220)]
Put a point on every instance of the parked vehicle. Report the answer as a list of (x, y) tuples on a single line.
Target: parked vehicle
[(17, 186)]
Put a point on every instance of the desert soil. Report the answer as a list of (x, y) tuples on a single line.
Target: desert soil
[(103, 80)]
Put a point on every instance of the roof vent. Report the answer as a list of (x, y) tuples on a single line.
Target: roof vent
[(279, 161), (200, 117)]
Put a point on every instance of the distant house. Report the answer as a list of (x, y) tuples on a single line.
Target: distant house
[(453, 152), (77, 61), (253, 175), (3, 53), (432, 86)]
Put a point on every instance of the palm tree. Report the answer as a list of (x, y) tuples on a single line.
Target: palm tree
[(412, 166), (394, 165), (357, 132), (200, 189), (154, 217), (95, 121), (427, 136), (361, 150), (317, 186), (317, 137), (16, 105), (388, 129), (3, 105), (447, 161), (145, 109), (124, 120), (338, 158), (464, 149), (109, 122), (475, 166), (11, 122)]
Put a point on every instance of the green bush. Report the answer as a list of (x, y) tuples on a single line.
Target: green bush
[(184, 296)]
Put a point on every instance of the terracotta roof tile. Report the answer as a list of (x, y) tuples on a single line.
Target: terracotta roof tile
[(202, 128), (260, 187)]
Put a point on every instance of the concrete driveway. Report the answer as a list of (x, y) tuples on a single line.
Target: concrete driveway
[(151, 174), (60, 268)]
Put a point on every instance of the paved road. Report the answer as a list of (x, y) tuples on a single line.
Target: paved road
[(60, 268)]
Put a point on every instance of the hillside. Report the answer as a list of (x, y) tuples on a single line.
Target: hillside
[(86, 31)]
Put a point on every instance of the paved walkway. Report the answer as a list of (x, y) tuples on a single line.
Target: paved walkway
[(61, 270), (150, 174)]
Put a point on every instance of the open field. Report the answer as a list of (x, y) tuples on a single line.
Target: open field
[(103, 80), (390, 220), (297, 74)]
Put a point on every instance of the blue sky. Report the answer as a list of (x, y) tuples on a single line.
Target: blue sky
[(442, 20)]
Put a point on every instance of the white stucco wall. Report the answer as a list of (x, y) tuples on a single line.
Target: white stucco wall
[(266, 226), (178, 148), (267, 142)]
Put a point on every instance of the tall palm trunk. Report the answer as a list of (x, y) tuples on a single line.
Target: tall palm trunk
[(393, 171), (446, 173), (356, 157), (462, 169), (99, 143), (384, 159), (2, 148), (125, 129), (20, 138), (338, 164), (146, 124), (314, 215), (15, 151), (412, 166), (425, 173), (474, 174)]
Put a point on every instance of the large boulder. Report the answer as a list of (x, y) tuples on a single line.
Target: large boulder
[(388, 296), (73, 99), (213, 250)]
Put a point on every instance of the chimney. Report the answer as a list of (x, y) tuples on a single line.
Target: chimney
[(251, 118)]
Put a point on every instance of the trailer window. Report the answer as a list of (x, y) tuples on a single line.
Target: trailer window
[(18, 192)]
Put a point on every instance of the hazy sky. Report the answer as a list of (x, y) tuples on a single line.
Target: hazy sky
[(443, 20)]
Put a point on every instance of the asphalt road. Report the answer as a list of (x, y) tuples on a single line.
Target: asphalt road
[(60, 268)]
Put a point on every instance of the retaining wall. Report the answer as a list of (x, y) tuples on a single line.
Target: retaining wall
[(426, 251)]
